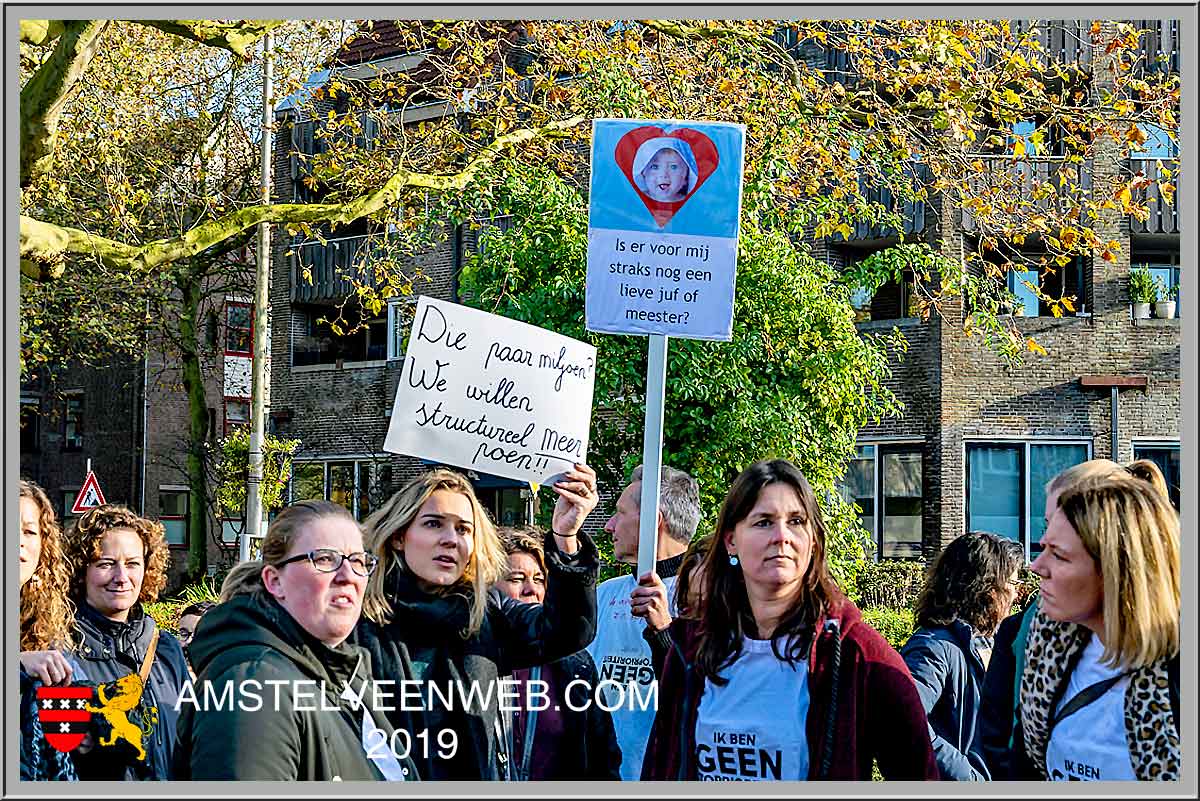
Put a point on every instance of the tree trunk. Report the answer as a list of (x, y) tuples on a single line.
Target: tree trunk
[(193, 382)]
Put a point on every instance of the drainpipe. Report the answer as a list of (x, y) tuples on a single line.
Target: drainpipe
[(1114, 383), (1115, 428), (145, 409)]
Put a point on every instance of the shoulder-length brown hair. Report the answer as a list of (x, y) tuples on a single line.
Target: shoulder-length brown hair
[(727, 617), (47, 614), (390, 522), (83, 548), (968, 581)]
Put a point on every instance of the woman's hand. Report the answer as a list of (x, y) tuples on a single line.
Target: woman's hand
[(577, 497), (50, 667)]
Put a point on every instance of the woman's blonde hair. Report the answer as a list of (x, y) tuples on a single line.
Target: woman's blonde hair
[(246, 577), (485, 566), (1131, 531), (47, 614), (83, 548), (1143, 469)]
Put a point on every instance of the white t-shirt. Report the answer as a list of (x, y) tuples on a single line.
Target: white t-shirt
[(752, 729), (1090, 744), (622, 659)]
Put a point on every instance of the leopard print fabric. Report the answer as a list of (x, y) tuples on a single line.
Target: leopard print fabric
[(1149, 726)]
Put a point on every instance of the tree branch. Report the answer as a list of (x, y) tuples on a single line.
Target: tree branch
[(43, 97), (236, 37), (778, 52), (44, 246), (40, 31)]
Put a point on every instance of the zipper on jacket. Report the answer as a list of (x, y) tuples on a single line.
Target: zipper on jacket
[(831, 626)]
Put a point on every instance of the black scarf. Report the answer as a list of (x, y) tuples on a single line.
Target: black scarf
[(426, 613)]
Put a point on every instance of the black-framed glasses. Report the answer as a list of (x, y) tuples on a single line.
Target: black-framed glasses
[(327, 560)]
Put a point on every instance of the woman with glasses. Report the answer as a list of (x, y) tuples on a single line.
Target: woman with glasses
[(432, 617), (970, 588), (301, 697)]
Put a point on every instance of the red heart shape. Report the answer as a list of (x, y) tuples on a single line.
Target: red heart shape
[(703, 149)]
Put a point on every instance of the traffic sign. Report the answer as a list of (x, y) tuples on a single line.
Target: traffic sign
[(89, 497)]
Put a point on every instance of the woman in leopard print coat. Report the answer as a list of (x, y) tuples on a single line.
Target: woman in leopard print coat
[(1109, 609)]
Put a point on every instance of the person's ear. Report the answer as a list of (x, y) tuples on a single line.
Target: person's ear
[(397, 542), (273, 581), (727, 538)]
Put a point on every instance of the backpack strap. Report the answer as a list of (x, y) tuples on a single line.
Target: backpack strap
[(148, 660)]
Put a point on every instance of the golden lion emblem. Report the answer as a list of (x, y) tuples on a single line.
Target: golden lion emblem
[(127, 696)]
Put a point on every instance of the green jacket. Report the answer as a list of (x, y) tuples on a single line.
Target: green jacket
[(226, 732)]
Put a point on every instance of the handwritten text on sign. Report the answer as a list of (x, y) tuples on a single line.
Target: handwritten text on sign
[(487, 393)]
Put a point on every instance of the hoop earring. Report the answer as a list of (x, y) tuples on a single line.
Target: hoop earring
[(733, 560)]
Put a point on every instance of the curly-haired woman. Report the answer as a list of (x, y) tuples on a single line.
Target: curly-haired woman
[(118, 562), (47, 618), (969, 589)]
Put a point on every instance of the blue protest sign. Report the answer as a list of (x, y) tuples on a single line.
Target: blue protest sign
[(662, 227)]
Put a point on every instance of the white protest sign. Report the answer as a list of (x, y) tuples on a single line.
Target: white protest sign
[(486, 393), (663, 221)]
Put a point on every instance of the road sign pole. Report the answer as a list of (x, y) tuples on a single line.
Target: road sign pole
[(656, 385)]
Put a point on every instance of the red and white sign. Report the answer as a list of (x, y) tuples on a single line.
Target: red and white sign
[(89, 497)]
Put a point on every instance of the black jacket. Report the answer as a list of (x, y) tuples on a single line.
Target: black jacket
[(949, 674), (110, 650), (513, 635), (588, 746), (311, 733)]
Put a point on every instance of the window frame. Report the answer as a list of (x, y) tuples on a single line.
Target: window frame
[(225, 402), (880, 448), (360, 492), (1159, 443), (1025, 445), (31, 435), (73, 442), (238, 304), (185, 517)]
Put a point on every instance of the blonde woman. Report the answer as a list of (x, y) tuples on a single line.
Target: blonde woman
[(998, 709), (431, 615), (1099, 693)]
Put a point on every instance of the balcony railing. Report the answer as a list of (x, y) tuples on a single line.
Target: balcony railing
[(1164, 217), (330, 264), (1161, 37), (912, 212), (1006, 177)]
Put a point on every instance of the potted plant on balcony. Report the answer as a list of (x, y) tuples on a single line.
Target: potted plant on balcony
[(1142, 292), (1164, 307)]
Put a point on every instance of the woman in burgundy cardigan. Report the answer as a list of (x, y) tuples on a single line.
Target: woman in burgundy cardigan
[(780, 678)]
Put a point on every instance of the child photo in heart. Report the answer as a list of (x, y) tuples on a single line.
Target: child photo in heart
[(666, 166)]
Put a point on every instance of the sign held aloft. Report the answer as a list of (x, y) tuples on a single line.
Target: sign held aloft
[(483, 392), (663, 224)]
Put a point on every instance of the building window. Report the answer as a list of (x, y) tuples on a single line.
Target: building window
[(1164, 271), (1166, 456), (396, 319), (489, 227), (1006, 486), (237, 413), (73, 420), (231, 530), (68, 497), (239, 329), (319, 344), (347, 483), (1058, 282), (173, 514), (893, 474), (30, 425)]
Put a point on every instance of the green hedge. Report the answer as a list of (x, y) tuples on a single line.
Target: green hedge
[(892, 583), (896, 625), (166, 611)]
